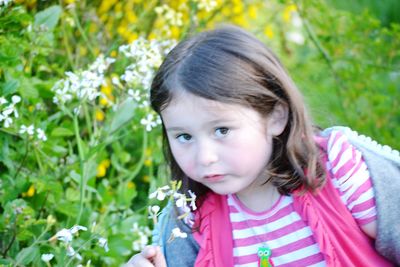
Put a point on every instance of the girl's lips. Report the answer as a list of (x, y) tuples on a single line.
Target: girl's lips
[(214, 177)]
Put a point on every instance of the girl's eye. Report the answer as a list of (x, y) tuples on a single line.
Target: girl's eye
[(221, 131), (184, 138)]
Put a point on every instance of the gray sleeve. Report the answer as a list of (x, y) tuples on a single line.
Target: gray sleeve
[(385, 175), (384, 166), (180, 252)]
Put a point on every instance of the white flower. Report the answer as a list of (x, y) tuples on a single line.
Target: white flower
[(30, 129), (207, 5), (64, 235), (103, 243), (192, 200), (296, 20), (72, 253), (115, 81), (176, 232), (83, 85), (7, 122), (134, 94), (8, 110), (180, 200), (15, 99), (155, 209), (295, 37), (143, 236), (149, 122), (41, 135), (3, 101), (5, 2), (74, 229), (147, 56), (160, 193), (47, 257)]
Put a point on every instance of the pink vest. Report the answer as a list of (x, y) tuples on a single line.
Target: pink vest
[(340, 239)]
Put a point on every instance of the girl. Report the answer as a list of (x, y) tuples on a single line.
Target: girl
[(272, 190)]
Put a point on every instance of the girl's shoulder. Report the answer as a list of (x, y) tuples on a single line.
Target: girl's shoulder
[(361, 142)]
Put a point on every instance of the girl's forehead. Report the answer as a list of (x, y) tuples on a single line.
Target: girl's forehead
[(189, 107), (191, 102)]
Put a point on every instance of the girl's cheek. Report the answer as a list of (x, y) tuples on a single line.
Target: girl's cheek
[(188, 168), (185, 161)]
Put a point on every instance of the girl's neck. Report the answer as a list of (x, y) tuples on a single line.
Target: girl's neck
[(259, 199)]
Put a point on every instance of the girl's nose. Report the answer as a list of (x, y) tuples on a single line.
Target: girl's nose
[(206, 154)]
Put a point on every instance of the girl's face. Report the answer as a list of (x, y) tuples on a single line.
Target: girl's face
[(225, 147)]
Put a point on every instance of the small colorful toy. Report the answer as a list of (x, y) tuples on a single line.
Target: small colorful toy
[(264, 257)]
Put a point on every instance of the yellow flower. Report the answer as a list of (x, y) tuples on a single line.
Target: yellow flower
[(147, 162), (131, 17), (106, 5), (132, 37), (131, 185), (175, 32), (69, 1), (118, 7), (103, 101), (31, 108), (106, 89), (287, 12), (113, 53), (30, 192), (99, 115), (101, 171), (226, 10), (146, 179), (268, 31), (241, 21), (238, 8), (252, 11), (106, 162), (152, 36)]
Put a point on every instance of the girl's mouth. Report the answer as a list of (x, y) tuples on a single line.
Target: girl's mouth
[(214, 177)]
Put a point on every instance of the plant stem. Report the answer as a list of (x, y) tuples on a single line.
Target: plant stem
[(82, 32), (23, 160), (65, 41), (42, 172), (82, 184), (88, 120)]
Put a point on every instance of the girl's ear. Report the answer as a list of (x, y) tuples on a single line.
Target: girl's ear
[(278, 119)]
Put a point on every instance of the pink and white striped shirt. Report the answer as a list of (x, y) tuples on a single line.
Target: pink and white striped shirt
[(282, 229)]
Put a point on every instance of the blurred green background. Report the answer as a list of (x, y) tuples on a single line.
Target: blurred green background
[(79, 144)]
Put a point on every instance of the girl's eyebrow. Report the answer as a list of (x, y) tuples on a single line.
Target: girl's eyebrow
[(174, 129), (213, 122)]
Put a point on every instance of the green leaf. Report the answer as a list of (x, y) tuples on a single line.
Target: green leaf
[(60, 131), (48, 17), (68, 208), (124, 113), (10, 87), (72, 194), (27, 255), (27, 89)]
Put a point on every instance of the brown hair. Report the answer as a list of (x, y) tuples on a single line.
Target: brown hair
[(230, 65)]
